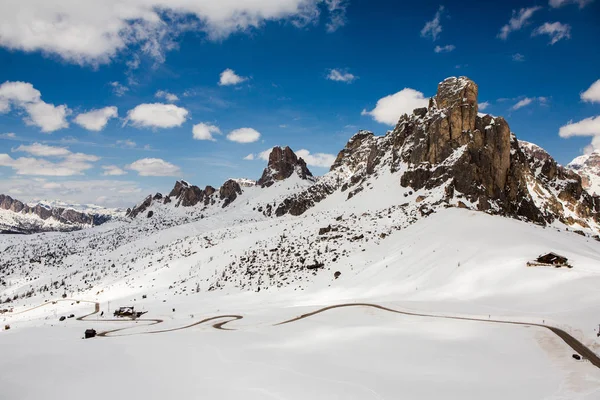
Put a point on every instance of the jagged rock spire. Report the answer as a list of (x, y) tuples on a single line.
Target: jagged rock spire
[(283, 162)]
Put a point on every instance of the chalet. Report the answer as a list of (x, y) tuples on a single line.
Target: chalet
[(553, 259)]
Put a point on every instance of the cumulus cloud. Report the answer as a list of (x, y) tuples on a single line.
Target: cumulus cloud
[(555, 30), (340, 76), (244, 135), (433, 28), (94, 33), (518, 20), (586, 127), (96, 120), (154, 167), (560, 3), (389, 109), (483, 105), (204, 131), (170, 97), (592, 95), (229, 78), (444, 49), (322, 160), (157, 115), (112, 170), (24, 96)]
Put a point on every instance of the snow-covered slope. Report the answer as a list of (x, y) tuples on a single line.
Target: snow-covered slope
[(437, 295), (588, 167)]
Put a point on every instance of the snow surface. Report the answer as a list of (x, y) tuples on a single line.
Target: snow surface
[(237, 261)]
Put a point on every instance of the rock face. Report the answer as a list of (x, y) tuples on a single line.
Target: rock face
[(283, 163), (458, 157), (185, 195), (588, 167), (229, 192), (67, 218)]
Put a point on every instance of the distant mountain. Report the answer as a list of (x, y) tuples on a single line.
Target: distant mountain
[(588, 167), (19, 217)]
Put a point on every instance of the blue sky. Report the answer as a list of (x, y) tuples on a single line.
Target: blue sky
[(303, 73)]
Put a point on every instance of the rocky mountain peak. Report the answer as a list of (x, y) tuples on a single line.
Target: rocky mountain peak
[(455, 91), (283, 163)]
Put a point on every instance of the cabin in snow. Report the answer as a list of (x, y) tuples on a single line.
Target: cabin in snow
[(551, 259)]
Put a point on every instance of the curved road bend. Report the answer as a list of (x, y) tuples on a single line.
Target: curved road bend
[(566, 337), (572, 342)]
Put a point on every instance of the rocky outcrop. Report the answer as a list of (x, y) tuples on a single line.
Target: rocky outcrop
[(229, 192), (474, 159), (283, 163)]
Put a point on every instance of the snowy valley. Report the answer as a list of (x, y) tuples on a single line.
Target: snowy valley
[(401, 273)]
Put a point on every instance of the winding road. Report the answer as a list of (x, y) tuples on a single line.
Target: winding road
[(571, 341)]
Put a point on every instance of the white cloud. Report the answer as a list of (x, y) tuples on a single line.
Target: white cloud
[(341, 76), (433, 28), (157, 115), (95, 32), (96, 120), (127, 143), (484, 105), (264, 155), (560, 3), (592, 95), (518, 20), (170, 97), (229, 77), (587, 127), (84, 191), (444, 49), (321, 160), (46, 116), (9, 135), (72, 164), (23, 95), (249, 157), (337, 14), (154, 167), (389, 109), (518, 57), (244, 135), (204, 131), (523, 103), (42, 150), (112, 170), (119, 89), (555, 30)]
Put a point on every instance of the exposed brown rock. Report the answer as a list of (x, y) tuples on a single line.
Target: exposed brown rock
[(283, 162)]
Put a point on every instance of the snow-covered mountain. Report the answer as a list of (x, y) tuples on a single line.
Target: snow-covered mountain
[(588, 167), (18, 217), (437, 218)]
